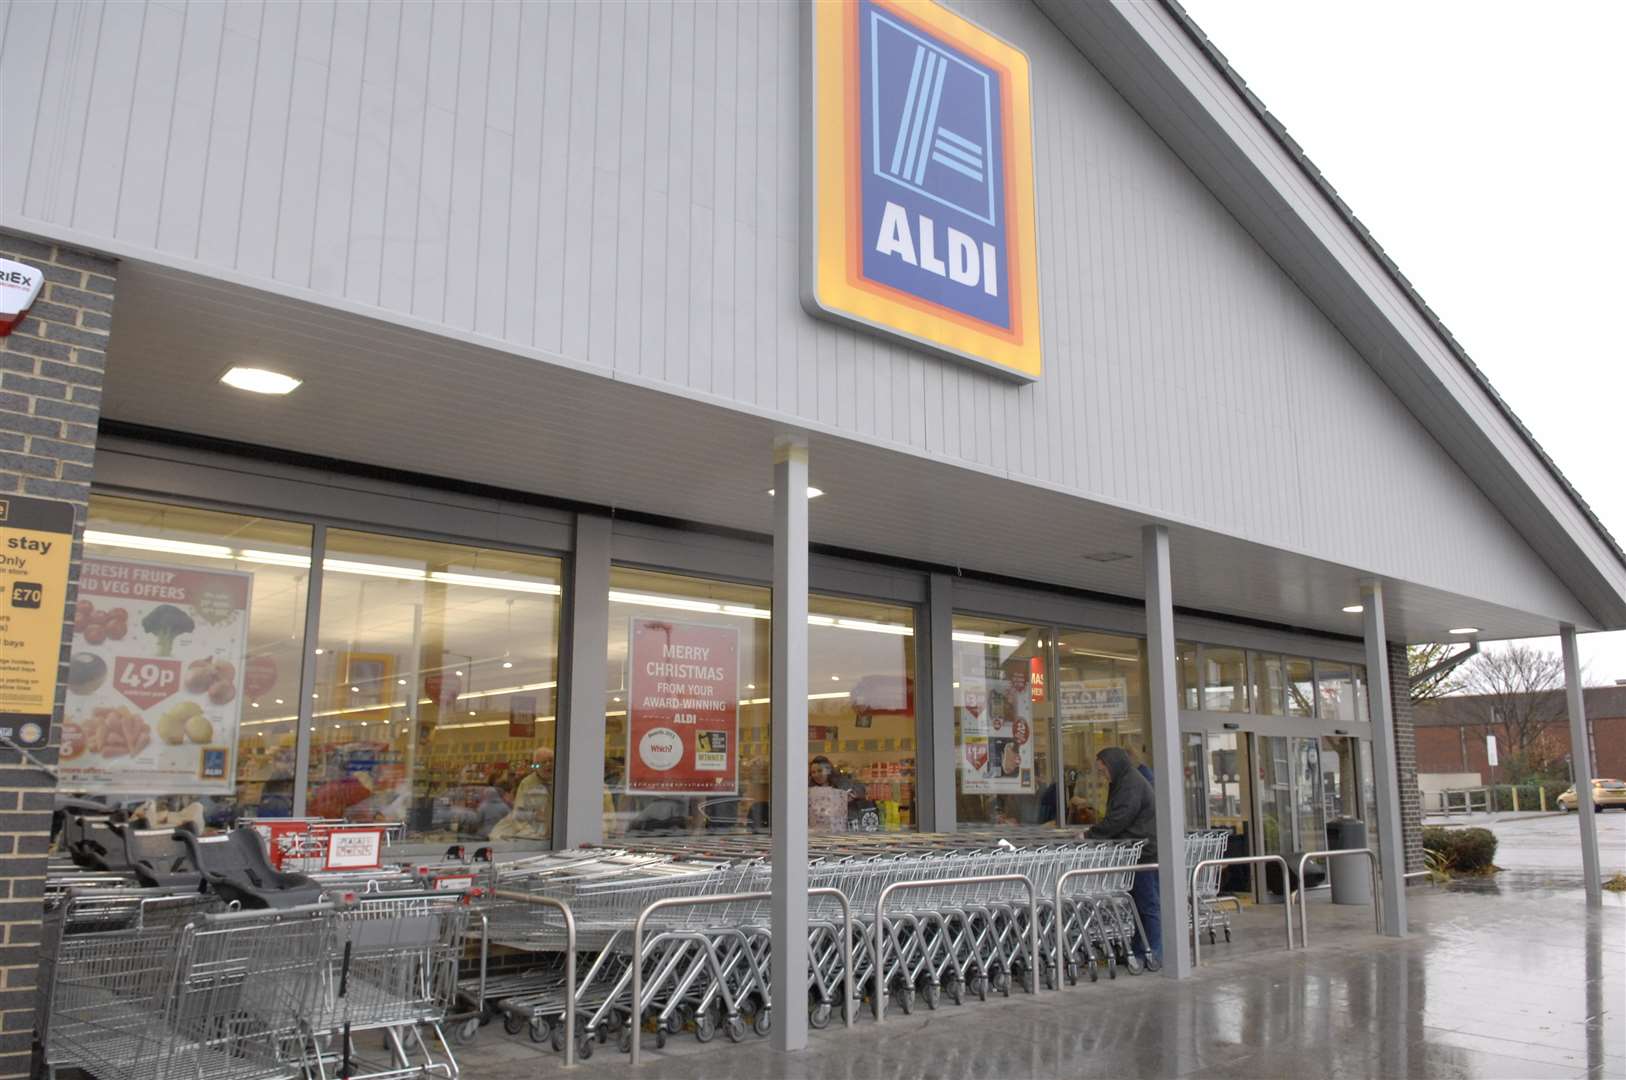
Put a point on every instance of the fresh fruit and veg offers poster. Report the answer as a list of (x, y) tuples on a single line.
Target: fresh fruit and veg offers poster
[(155, 679)]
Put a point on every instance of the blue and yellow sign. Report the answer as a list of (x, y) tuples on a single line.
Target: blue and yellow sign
[(922, 181)]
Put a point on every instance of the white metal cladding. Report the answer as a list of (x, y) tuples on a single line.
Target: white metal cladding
[(615, 187)]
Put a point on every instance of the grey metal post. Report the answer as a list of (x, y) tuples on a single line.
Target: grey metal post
[(1384, 761), (789, 903), (1581, 758), (578, 772), (1165, 731), (935, 788)]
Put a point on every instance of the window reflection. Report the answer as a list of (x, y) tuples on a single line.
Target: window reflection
[(663, 776), (1225, 680), (221, 728), (1003, 709), (1100, 693), (436, 685)]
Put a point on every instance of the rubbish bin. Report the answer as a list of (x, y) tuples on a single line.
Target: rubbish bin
[(1351, 874)]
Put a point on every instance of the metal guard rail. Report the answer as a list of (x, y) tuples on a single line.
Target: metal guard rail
[(1304, 898), (636, 1020), (1086, 871), (570, 961), (1238, 860), (879, 963)]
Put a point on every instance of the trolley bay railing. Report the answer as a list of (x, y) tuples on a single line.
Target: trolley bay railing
[(1303, 894)]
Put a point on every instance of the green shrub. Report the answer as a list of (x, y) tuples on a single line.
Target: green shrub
[(1462, 851)]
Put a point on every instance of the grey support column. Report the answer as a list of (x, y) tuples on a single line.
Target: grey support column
[(578, 773), (1173, 883), (1581, 756), (789, 904), (1384, 761), (936, 756)]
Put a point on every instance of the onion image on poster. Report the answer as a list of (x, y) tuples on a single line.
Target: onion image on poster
[(683, 708)]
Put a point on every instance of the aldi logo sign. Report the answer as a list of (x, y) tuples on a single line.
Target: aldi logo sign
[(922, 219)]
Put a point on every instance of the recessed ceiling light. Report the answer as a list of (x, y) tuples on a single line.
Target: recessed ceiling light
[(812, 492), (1465, 630), (1354, 609), (459, 674), (507, 663), (260, 381)]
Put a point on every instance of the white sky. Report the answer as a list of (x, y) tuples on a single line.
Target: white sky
[(1480, 143)]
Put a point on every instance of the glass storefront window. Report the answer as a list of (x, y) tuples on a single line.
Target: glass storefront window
[(1362, 706), (1268, 684), (861, 711), (1335, 692), (1100, 694), (185, 667), (1185, 667), (1225, 679), (436, 684), (1003, 709), (1300, 686), (688, 714)]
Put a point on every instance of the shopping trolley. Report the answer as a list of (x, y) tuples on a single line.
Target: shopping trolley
[(223, 996)]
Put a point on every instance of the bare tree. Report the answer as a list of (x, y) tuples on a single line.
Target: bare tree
[(1434, 670), (1518, 692)]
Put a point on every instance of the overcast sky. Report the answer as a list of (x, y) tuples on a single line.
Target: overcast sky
[(1480, 143)]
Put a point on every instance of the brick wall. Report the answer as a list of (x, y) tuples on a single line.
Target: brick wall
[(50, 400), (1411, 798)]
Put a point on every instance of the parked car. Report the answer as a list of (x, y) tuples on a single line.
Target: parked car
[(1605, 794)]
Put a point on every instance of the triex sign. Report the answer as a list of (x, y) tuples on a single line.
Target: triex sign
[(921, 178)]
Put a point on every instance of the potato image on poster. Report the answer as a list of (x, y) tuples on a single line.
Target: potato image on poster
[(182, 721)]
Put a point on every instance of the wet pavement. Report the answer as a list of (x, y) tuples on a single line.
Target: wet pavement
[(1549, 843), (1499, 978)]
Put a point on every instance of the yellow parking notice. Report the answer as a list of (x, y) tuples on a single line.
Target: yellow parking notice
[(36, 545)]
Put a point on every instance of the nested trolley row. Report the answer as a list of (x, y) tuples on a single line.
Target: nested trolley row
[(168, 981)]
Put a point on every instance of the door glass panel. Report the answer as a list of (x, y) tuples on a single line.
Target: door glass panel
[(1100, 702), (1191, 753), (1369, 798), (1300, 686), (1230, 801), (1276, 817), (1225, 679), (1339, 790), (1308, 808), (1268, 683), (1002, 724)]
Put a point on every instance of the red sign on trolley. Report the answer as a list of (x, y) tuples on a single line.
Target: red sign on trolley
[(683, 709)]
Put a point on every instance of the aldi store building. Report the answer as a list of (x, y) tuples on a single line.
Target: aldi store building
[(684, 393)]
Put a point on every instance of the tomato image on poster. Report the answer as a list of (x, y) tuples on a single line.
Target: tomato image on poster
[(683, 711), (155, 679)]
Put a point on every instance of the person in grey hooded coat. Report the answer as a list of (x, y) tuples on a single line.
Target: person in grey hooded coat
[(1132, 815)]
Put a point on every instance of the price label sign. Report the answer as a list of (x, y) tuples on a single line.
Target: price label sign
[(146, 682), (36, 538)]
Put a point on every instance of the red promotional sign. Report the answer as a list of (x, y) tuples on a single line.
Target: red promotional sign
[(146, 682), (683, 714)]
